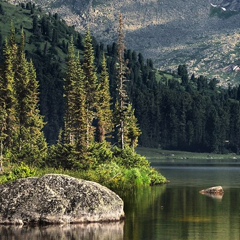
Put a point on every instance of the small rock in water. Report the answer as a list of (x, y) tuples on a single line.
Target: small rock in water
[(214, 192)]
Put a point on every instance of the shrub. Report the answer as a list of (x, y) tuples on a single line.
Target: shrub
[(21, 171), (62, 156), (136, 177), (156, 177), (129, 158), (100, 152), (108, 174)]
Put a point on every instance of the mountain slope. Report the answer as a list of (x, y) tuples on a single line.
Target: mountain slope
[(174, 111), (170, 32)]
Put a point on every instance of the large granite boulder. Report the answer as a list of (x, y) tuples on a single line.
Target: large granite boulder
[(58, 199)]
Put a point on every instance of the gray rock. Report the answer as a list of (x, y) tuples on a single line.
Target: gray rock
[(213, 190), (216, 192), (169, 32), (58, 199)]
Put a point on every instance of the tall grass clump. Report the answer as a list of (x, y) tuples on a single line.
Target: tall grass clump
[(114, 168)]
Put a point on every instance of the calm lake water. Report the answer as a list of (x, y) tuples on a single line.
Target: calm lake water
[(171, 212)]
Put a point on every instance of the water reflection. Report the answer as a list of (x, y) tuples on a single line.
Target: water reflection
[(178, 211), (173, 211), (93, 231), (143, 207), (214, 196)]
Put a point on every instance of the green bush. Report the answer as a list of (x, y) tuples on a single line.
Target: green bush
[(17, 172), (109, 174), (101, 152), (156, 177), (129, 158), (62, 156), (114, 168), (137, 178), (120, 178)]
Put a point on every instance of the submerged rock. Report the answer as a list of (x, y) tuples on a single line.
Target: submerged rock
[(58, 199), (214, 192)]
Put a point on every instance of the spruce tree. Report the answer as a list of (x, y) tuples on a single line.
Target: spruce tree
[(91, 83), (3, 117), (21, 122), (104, 112), (70, 78), (132, 129), (8, 92), (128, 130), (35, 121), (122, 96), (21, 82), (76, 115), (31, 144)]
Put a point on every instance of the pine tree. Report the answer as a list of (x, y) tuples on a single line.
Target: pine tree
[(35, 121), (128, 130), (91, 83), (70, 76), (31, 145), (3, 117), (21, 82), (132, 129), (8, 92), (122, 97), (76, 115), (104, 112), (21, 123)]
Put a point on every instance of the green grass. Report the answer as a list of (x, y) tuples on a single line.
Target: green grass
[(162, 76), (14, 14), (124, 169), (22, 19), (159, 156)]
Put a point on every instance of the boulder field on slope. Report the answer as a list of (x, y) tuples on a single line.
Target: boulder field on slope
[(58, 199), (169, 32)]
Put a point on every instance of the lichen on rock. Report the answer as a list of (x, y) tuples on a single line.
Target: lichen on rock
[(58, 199)]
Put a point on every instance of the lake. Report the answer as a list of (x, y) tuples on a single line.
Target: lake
[(170, 212)]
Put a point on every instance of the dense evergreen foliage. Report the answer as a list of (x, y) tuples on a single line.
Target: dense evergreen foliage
[(193, 115), (88, 115), (21, 135), (174, 111)]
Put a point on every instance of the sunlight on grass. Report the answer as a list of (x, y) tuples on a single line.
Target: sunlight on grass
[(162, 156)]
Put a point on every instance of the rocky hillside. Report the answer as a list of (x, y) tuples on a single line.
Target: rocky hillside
[(202, 34)]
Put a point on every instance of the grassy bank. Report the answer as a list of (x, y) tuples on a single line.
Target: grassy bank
[(159, 156), (124, 170)]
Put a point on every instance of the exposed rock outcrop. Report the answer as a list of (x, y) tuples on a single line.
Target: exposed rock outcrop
[(169, 32), (58, 199)]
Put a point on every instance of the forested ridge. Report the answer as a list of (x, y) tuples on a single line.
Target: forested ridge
[(174, 111), (88, 134)]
